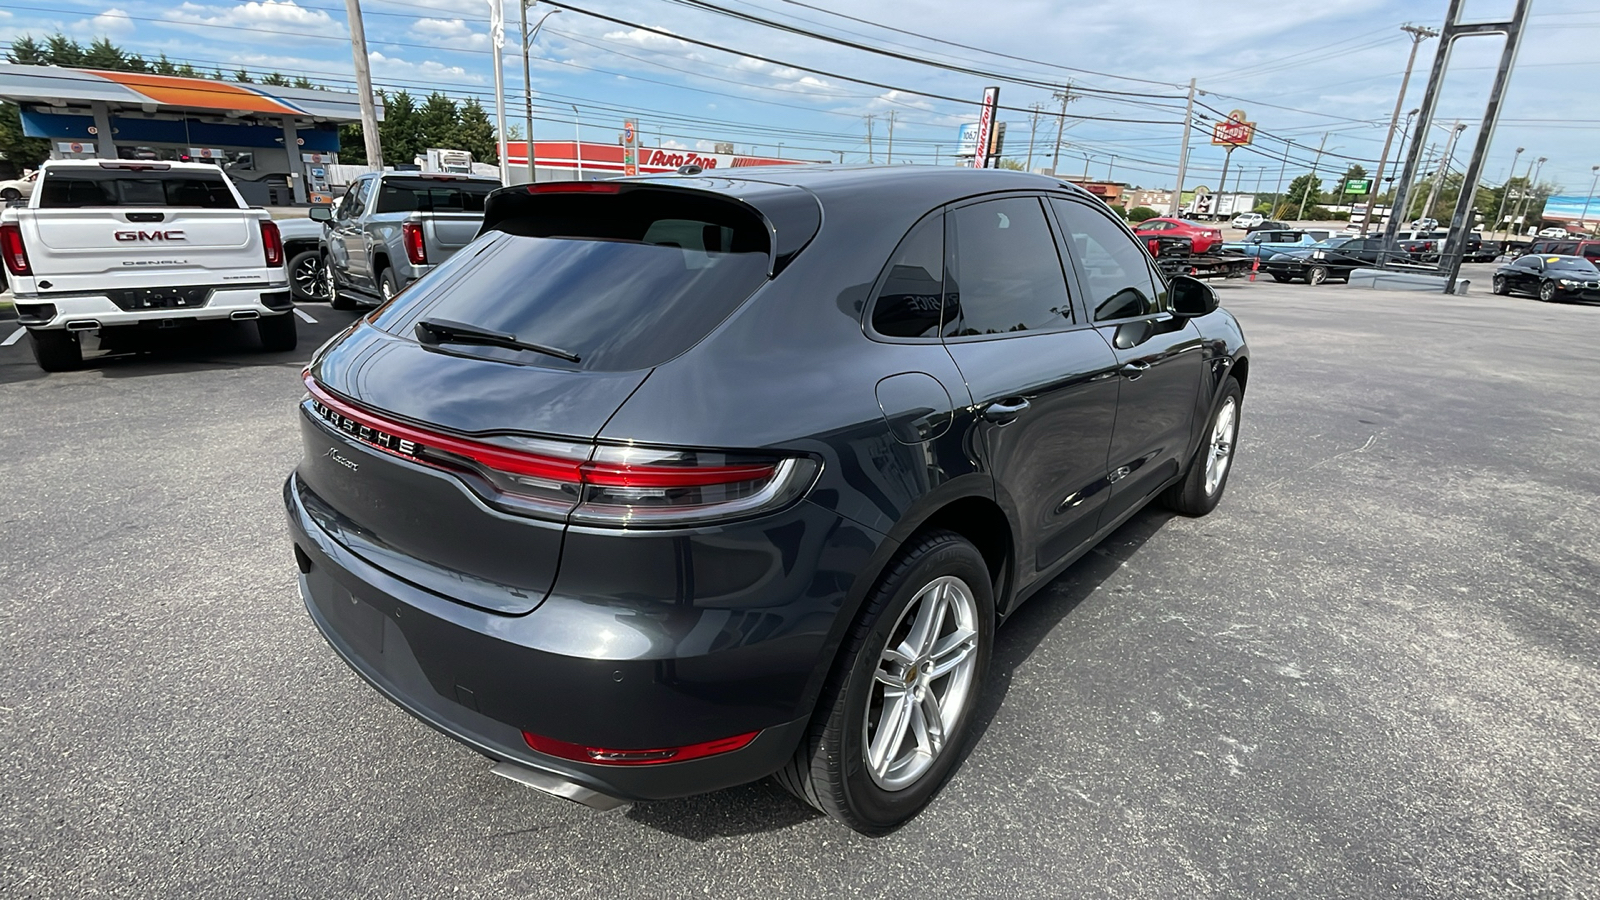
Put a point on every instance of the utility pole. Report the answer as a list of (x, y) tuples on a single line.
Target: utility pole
[(1500, 217), (497, 43), (841, 156), (1033, 129), (1277, 193), (1065, 96), (936, 149), (369, 111), (527, 78), (889, 154), (1183, 153), (1583, 217), (1110, 166), (1418, 35), (869, 117), (1222, 186), (1260, 171), (1307, 192), (1443, 169), (1527, 195)]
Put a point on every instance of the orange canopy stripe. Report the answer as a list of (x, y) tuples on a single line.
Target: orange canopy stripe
[(198, 93)]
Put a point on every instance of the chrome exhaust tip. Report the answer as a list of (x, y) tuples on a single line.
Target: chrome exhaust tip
[(83, 325), (245, 315), (556, 786)]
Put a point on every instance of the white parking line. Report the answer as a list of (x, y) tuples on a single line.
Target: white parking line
[(304, 316), (15, 336)]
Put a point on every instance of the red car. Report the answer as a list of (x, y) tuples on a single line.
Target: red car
[(1205, 237)]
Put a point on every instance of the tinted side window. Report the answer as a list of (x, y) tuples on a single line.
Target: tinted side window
[(908, 303), (1008, 275), (1114, 269)]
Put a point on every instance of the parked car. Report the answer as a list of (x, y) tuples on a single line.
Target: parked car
[(1550, 278), (18, 189), (1423, 246), (1486, 251), (1552, 247), (1248, 220), (1206, 238), (391, 228), (1424, 224), (1333, 259), (1553, 232), (525, 514), (1270, 224), (110, 247), (302, 247), (1265, 244)]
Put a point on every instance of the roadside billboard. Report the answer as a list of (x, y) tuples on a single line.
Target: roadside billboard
[(967, 140), (983, 147)]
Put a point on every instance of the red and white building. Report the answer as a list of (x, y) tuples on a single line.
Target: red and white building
[(563, 160)]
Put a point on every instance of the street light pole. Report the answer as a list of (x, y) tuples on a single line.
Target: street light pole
[(1583, 217), (1443, 169), (1534, 168), (1500, 217), (497, 42), (1418, 35), (1298, 216), (1277, 193), (527, 77), (577, 139)]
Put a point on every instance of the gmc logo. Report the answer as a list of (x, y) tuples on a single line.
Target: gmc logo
[(128, 236)]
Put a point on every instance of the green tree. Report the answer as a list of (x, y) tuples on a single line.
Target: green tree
[(276, 79), (26, 51), (1306, 189), (438, 122), (1011, 164), (163, 66), (187, 71), (23, 152), (398, 130), (243, 77), (1140, 213), (102, 54), (300, 81), (352, 144), (61, 50), (475, 133)]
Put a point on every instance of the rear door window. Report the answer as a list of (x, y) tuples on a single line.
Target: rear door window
[(76, 188), (623, 282), (908, 304), (1114, 270), (1008, 275)]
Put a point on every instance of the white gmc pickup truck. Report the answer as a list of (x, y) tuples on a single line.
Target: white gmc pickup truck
[(113, 246)]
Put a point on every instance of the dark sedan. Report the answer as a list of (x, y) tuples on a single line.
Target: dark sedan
[(668, 484), (1550, 278), (1332, 259)]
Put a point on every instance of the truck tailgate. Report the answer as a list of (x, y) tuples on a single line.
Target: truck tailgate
[(77, 248), (448, 232)]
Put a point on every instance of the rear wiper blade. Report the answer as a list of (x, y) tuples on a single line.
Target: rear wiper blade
[(434, 331)]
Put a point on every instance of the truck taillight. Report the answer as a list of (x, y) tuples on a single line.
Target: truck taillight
[(612, 486), (272, 243), (416, 248), (11, 245)]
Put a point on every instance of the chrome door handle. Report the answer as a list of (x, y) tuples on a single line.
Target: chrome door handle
[(1132, 371), (1001, 412)]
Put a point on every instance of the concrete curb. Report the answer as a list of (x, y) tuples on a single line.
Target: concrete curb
[(1381, 280)]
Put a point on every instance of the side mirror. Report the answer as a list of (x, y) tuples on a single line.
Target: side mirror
[(1191, 297), (321, 213)]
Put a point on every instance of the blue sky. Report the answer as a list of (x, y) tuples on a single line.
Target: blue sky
[(1329, 67)]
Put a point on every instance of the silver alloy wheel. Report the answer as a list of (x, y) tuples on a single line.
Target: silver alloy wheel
[(309, 277), (1547, 291), (1219, 453), (922, 683), (385, 289), (330, 289), (1317, 275)]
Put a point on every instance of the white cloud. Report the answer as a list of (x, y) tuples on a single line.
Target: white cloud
[(673, 145), (452, 33), (112, 21), (394, 66), (261, 15)]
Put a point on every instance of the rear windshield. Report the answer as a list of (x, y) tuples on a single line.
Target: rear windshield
[(111, 187), (432, 195), (623, 282)]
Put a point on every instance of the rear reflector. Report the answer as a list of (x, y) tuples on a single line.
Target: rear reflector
[(655, 756), (604, 485), (15, 253), (416, 247)]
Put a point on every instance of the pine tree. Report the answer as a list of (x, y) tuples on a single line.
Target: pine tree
[(26, 51), (475, 133), (163, 66), (438, 122), (352, 144), (300, 81), (276, 79), (23, 152), (398, 131), (243, 77), (102, 54), (61, 50)]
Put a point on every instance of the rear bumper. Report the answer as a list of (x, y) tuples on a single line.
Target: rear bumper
[(482, 677), (78, 310)]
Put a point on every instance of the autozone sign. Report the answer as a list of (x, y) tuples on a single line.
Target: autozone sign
[(1234, 131), (659, 157)]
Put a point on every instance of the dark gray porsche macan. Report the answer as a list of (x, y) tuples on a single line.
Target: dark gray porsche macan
[(668, 484)]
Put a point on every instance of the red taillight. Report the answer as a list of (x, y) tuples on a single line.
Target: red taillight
[(608, 485), (416, 247), (575, 187), (609, 757), (11, 245), (271, 242)]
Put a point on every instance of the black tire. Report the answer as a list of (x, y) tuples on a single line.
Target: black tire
[(1547, 291), (337, 299), (388, 284), (1279, 277), (56, 350), (1191, 496), (829, 769), (306, 281), (1500, 286), (278, 333), (10, 195), (1317, 275)]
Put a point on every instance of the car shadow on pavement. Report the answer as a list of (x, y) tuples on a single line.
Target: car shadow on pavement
[(211, 345), (765, 806)]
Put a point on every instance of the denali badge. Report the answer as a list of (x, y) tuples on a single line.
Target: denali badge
[(127, 236), (333, 454)]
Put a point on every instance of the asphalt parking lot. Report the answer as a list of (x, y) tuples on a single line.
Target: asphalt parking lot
[(1373, 671)]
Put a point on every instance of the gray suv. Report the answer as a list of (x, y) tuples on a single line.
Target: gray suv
[(392, 228)]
